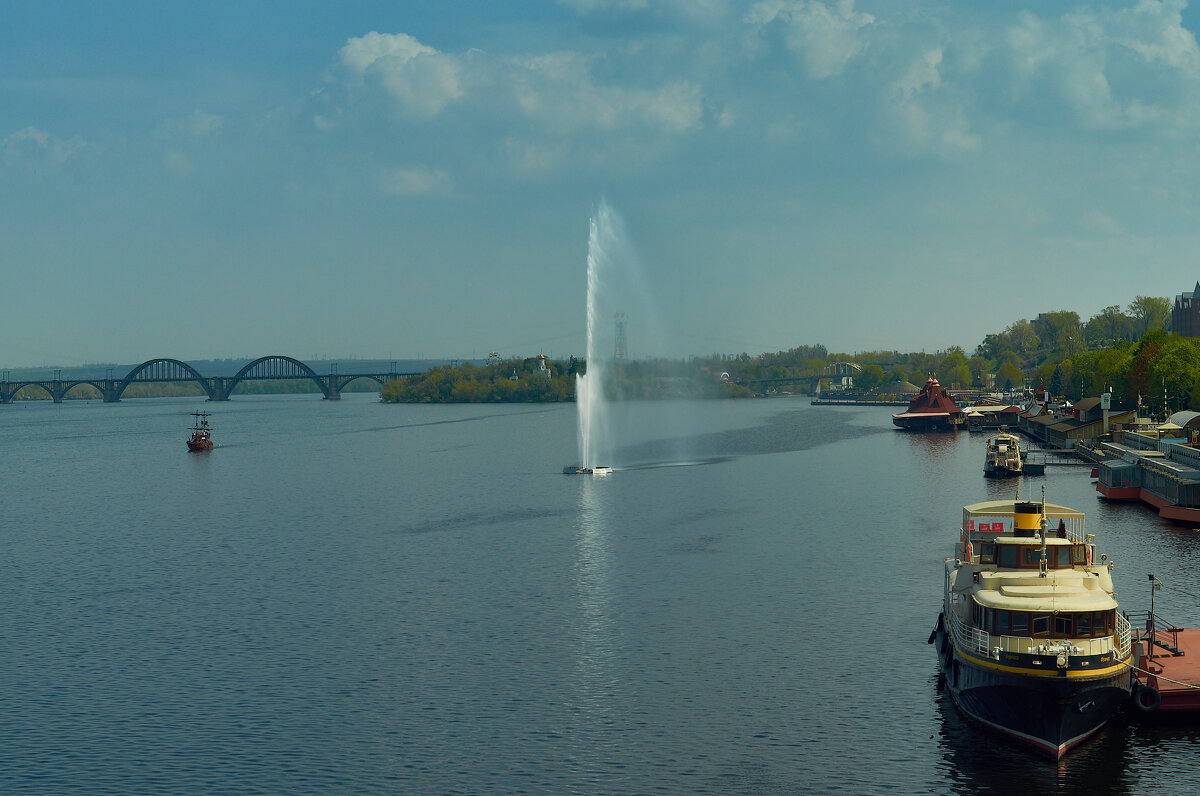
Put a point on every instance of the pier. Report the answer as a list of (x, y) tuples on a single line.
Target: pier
[(1166, 666)]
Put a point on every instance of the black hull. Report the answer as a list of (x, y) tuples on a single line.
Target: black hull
[(1049, 715), (1000, 472), (921, 424)]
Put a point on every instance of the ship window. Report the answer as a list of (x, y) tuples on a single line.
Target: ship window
[(1104, 623), (1078, 554), (1064, 558), (1041, 624), (1003, 623), (1008, 556), (1062, 625), (1029, 557), (987, 554), (1083, 624), (1020, 623)]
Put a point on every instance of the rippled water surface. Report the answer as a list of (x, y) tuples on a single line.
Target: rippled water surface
[(352, 597)]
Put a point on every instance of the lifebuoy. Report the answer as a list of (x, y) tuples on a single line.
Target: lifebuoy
[(1146, 699), (967, 551), (1088, 554)]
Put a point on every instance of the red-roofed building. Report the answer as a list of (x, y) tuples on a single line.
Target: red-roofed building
[(932, 409)]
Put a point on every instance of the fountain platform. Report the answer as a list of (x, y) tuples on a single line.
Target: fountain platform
[(575, 470)]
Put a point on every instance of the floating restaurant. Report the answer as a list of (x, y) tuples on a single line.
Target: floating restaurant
[(932, 409)]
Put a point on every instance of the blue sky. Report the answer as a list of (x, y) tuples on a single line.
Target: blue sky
[(370, 179)]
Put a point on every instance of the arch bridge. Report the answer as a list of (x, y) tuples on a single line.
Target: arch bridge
[(217, 388)]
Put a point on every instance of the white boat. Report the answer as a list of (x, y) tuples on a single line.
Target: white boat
[(1003, 458)]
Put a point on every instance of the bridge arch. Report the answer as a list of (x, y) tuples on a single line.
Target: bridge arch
[(275, 366), (346, 381), (18, 386), (164, 370), (91, 384)]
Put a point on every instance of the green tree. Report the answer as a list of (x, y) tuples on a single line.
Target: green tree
[(1056, 382), (979, 369), (1059, 330), (1149, 313), (1009, 376), (1109, 326), (957, 376), (1176, 369), (870, 377)]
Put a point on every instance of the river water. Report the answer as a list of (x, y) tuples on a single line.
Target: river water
[(355, 597)]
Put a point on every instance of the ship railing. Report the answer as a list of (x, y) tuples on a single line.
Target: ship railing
[(971, 638), (1122, 637), (987, 645)]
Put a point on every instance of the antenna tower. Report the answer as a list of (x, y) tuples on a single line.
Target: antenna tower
[(621, 345)]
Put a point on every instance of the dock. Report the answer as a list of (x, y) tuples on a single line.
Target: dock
[(1166, 668), (854, 402)]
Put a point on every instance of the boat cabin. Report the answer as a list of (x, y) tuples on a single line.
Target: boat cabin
[(1014, 553)]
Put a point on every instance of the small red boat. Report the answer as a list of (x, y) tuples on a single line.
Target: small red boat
[(201, 439)]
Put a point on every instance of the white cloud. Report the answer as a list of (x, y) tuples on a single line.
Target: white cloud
[(413, 182), (1114, 68), (36, 146), (558, 90), (1101, 223), (423, 80), (177, 164), (826, 37), (694, 10), (197, 125), (929, 120)]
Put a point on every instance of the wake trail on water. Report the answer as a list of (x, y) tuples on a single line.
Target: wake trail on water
[(785, 432)]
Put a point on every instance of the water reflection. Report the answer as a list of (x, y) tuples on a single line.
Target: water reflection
[(596, 684)]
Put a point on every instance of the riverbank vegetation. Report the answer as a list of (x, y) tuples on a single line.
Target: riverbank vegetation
[(527, 380), (1126, 351)]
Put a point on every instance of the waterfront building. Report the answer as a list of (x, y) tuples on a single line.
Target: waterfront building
[(1063, 425), (1185, 314)]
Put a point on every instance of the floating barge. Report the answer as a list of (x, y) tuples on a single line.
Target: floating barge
[(1166, 668), (1155, 469)]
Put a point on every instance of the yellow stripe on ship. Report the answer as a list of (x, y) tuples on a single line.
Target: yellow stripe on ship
[(989, 663)]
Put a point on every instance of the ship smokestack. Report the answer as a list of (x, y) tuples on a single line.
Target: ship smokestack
[(1027, 519)]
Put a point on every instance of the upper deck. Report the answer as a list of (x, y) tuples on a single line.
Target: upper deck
[(991, 518)]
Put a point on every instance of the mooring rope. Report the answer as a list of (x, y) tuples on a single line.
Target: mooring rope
[(1160, 677)]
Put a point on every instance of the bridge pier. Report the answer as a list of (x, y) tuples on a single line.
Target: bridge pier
[(219, 388), (109, 390)]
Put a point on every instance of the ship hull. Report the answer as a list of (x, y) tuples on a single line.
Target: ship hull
[(919, 422), (1050, 715)]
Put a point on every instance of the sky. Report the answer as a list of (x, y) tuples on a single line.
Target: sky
[(418, 179)]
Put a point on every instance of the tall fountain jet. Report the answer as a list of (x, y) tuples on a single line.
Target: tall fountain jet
[(603, 232)]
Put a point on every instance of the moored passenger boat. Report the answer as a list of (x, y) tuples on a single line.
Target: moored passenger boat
[(1003, 458), (1030, 642)]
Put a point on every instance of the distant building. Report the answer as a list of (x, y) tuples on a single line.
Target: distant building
[(1185, 315)]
